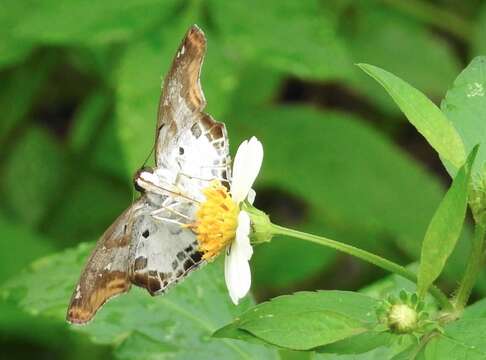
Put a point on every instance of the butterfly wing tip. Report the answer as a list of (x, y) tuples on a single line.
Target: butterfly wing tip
[(196, 28), (195, 33), (77, 316)]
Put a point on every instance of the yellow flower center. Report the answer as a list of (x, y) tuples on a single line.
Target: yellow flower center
[(216, 220)]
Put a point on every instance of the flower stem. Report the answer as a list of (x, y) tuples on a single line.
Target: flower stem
[(363, 255), (473, 268)]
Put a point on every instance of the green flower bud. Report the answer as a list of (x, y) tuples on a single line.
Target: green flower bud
[(402, 318), (403, 315), (261, 227)]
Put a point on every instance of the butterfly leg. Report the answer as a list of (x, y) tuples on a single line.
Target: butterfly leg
[(192, 177), (156, 213), (168, 213), (151, 183)]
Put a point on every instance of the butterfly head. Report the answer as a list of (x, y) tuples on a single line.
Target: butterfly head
[(140, 177)]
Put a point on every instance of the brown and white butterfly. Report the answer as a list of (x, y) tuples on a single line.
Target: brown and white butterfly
[(190, 149)]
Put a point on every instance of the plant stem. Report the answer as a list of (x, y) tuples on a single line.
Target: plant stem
[(434, 15), (473, 268), (363, 255)]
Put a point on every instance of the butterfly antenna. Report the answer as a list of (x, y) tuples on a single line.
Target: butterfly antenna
[(143, 165), (149, 155)]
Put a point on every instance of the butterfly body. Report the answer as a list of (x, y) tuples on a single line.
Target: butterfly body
[(148, 245)]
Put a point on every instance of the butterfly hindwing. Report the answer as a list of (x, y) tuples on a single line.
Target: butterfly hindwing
[(162, 253), (106, 273)]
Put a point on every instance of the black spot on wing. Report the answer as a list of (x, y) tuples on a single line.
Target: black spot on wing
[(140, 263), (140, 279), (154, 284), (196, 257), (188, 264), (153, 273), (196, 130)]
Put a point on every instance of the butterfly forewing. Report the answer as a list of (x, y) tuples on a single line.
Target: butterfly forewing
[(188, 140)]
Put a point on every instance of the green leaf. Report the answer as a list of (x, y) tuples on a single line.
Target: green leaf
[(16, 325), (254, 31), (371, 34), (87, 121), (445, 227), (88, 207), (22, 247), (423, 114), (108, 153), (410, 353), (19, 87), (479, 46), (476, 310), (76, 22), (11, 49), (361, 343), (137, 325), (34, 171), (296, 355), (461, 340), (380, 353), (465, 106), (307, 320)]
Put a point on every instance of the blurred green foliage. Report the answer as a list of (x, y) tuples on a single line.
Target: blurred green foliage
[(80, 87)]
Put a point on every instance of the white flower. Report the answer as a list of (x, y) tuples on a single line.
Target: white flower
[(220, 224), (246, 167)]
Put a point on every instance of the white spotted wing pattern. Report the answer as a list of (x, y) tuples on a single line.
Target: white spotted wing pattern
[(146, 245)]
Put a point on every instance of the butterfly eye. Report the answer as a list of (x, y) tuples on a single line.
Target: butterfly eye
[(137, 176)]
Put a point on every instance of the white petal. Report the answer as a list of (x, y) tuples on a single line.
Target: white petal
[(242, 239), (237, 271), (251, 196), (237, 274), (246, 167)]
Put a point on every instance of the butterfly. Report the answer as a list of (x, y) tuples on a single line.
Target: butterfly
[(146, 245)]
